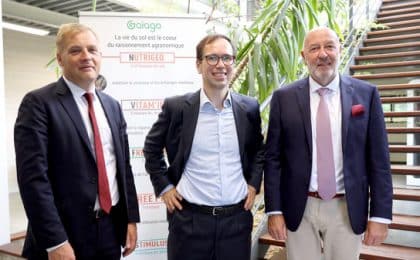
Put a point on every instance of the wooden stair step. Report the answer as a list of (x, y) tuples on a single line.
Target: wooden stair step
[(400, 99), (388, 55), (402, 114), (388, 75), (402, 23), (405, 170), (406, 194), (397, 87), (389, 252), (398, 17), (385, 64), (390, 46), (392, 38), (401, 10), (405, 222), (18, 235), (402, 130), (406, 149), (398, 6), (11, 249), (266, 239), (398, 30), (383, 251)]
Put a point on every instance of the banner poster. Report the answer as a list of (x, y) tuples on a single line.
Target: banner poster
[(146, 59)]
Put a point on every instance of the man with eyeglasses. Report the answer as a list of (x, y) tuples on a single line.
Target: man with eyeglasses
[(214, 147)]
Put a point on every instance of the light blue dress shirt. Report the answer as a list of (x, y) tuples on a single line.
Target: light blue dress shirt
[(213, 173)]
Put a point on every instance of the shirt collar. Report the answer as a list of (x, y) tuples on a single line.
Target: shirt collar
[(333, 85), (204, 100), (78, 91)]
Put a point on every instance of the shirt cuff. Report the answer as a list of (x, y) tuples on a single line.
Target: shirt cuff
[(271, 213), (50, 249), (170, 186), (380, 220)]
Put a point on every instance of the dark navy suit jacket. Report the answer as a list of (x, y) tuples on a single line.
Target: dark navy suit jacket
[(366, 165), (174, 132), (57, 173)]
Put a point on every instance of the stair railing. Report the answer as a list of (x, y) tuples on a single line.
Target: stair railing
[(361, 15)]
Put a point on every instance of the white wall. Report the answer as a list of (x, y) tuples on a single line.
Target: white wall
[(4, 202), (25, 57)]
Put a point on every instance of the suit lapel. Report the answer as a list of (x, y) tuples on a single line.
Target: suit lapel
[(66, 98), (346, 90), (240, 117), (189, 115), (302, 94)]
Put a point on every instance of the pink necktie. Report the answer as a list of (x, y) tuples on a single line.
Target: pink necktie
[(103, 187), (324, 149)]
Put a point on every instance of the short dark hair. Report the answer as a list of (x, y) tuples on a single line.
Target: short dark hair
[(209, 39)]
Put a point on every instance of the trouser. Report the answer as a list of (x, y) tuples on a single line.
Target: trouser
[(197, 233), (324, 231), (103, 239)]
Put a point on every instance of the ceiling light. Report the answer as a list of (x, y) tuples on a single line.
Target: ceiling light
[(25, 29)]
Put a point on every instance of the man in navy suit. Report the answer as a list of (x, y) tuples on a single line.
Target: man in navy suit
[(353, 146), (214, 147), (58, 161)]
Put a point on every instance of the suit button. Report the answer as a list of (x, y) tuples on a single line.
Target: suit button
[(93, 180)]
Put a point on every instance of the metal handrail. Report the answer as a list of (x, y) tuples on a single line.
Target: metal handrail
[(361, 16)]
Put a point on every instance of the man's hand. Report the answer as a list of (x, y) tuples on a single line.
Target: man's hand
[(172, 199), (250, 197), (64, 252), (375, 234), (277, 227), (131, 240)]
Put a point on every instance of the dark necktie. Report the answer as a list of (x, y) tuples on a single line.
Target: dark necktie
[(103, 187), (324, 148)]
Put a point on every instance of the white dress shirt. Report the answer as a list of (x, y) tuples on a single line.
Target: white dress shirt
[(213, 173), (332, 97), (105, 133)]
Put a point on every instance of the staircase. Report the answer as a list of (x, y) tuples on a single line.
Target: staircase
[(13, 250), (390, 59)]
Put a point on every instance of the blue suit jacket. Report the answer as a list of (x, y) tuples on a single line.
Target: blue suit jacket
[(174, 132), (57, 173), (366, 165)]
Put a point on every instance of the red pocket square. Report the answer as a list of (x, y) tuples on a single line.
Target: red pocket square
[(357, 110)]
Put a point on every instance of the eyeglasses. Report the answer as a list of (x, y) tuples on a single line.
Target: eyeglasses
[(213, 59)]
